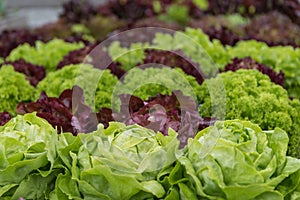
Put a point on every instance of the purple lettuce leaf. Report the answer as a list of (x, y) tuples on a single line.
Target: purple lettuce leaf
[(133, 10), (64, 113), (105, 116), (76, 56), (4, 118), (76, 11), (130, 10), (162, 112)]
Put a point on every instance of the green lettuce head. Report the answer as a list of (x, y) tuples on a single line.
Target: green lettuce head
[(14, 89), (250, 95), (237, 160), (116, 163), (27, 158)]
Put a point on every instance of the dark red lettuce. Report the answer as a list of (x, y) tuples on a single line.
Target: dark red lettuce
[(290, 8), (224, 34), (133, 10), (76, 56), (33, 73), (163, 112), (10, 39), (174, 59), (4, 118), (249, 63), (76, 11), (79, 56), (65, 113), (246, 7), (130, 9)]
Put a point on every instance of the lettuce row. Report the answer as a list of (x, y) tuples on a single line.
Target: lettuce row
[(45, 54), (230, 160), (117, 162), (212, 55)]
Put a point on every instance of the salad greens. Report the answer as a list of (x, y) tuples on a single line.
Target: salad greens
[(212, 55), (14, 89), (236, 159), (45, 54), (71, 129), (28, 158), (156, 80), (115, 163), (284, 58), (97, 84), (255, 98), (225, 161)]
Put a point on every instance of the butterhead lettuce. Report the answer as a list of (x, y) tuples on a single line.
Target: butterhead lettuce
[(120, 162), (27, 158), (237, 160)]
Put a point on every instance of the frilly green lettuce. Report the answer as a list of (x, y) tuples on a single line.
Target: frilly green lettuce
[(45, 54), (250, 95), (14, 89)]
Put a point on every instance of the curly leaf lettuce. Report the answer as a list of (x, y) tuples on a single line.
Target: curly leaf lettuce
[(255, 98), (45, 54), (284, 58), (14, 89)]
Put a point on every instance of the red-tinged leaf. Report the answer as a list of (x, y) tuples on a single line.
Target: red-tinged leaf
[(4, 118)]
